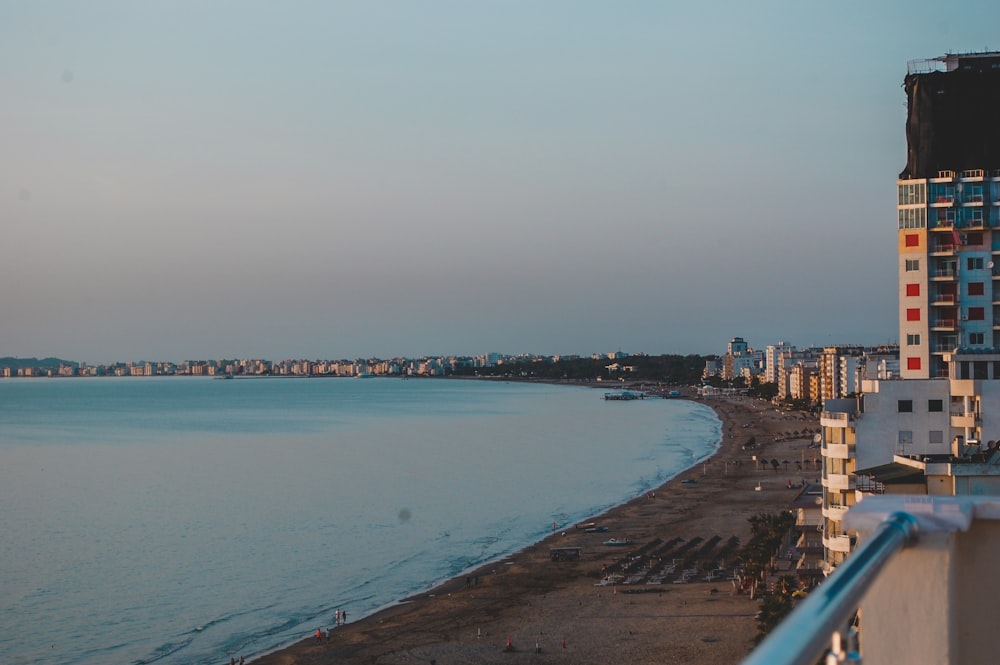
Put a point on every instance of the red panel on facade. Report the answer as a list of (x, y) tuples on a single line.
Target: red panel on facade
[(913, 314), (913, 289), (912, 240), (913, 363)]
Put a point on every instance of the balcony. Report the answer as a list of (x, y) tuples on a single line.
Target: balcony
[(943, 249), (840, 543), (835, 513), (943, 324), (944, 299), (965, 420), (838, 481), (944, 275), (922, 579), (838, 451), (837, 419)]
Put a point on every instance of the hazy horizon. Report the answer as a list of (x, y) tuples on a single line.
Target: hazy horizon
[(357, 179)]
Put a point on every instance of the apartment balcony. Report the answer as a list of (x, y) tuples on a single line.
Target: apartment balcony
[(838, 481), (940, 299), (943, 249), (840, 543), (922, 579), (944, 347), (943, 324), (837, 419), (943, 275), (834, 513), (966, 420), (838, 451), (943, 201)]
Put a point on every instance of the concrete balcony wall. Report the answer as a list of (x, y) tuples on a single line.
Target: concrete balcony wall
[(838, 451), (935, 601), (837, 543), (836, 481), (835, 513), (836, 419)]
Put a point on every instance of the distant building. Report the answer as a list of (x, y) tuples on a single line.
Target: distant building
[(773, 357)]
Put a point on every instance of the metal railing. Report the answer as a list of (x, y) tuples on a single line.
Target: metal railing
[(805, 635)]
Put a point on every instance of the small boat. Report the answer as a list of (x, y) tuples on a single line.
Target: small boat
[(617, 542), (596, 529), (586, 525)]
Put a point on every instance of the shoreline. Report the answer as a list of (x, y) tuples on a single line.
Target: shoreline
[(562, 610)]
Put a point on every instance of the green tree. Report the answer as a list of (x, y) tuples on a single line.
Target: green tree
[(777, 605)]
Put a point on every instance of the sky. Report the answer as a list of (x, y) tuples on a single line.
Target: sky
[(187, 180)]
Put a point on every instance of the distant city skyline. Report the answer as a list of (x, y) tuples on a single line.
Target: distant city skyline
[(365, 180)]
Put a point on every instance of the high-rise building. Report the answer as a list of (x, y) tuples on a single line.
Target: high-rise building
[(944, 404), (949, 213)]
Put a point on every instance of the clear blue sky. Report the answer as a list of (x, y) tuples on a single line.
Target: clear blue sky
[(343, 179)]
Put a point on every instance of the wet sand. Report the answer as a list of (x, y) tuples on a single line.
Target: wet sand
[(564, 612)]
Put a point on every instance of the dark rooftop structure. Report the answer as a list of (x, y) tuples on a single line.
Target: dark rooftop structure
[(953, 114)]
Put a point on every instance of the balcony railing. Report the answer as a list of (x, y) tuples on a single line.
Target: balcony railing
[(842, 418), (804, 636), (921, 583)]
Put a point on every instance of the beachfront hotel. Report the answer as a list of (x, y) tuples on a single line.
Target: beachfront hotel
[(911, 466)]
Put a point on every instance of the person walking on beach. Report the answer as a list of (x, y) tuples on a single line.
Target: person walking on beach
[(343, 617), (336, 618)]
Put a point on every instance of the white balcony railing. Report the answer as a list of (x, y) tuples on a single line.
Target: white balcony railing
[(921, 580)]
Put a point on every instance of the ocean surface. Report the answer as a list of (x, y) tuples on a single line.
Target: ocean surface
[(187, 520)]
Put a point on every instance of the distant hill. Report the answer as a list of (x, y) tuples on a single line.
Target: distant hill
[(48, 363)]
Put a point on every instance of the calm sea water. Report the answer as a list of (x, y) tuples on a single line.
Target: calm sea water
[(177, 520)]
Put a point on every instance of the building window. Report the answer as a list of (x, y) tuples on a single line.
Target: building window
[(912, 340), (977, 313), (912, 240), (913, 363), (935, 436), (935, 405), (976, 339), (976, 288), (980, 370), (913, 218), (911, 193), (974, 263), (905, 406), (912, 265), (905, 439), (975, 237), (913, 313), (913, 289)]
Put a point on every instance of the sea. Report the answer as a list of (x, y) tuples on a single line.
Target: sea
[(189, 520)]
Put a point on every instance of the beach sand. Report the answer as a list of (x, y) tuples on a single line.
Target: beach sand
[(557, 611)]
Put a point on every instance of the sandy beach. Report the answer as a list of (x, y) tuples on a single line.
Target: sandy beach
[(582, 610)]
